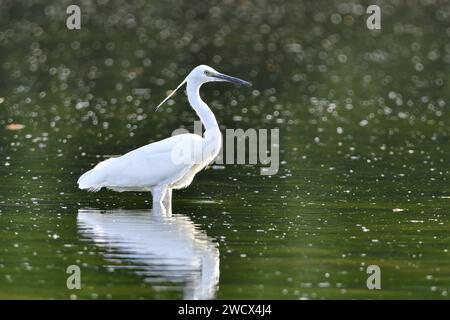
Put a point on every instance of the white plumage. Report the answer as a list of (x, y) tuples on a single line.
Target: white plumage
[(168, 164), (135, 170)]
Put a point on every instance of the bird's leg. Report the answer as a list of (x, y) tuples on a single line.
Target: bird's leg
[(167, 201), (158, 194), (159, 210)]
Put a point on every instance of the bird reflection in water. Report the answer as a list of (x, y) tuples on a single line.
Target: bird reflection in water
[(163, 247)]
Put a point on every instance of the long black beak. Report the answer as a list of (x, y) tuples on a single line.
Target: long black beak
[(224, 77)]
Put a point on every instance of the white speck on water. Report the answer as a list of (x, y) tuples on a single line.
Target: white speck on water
[(363, 123), (82, 104)]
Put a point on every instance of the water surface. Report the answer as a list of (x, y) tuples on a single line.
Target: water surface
[(364, 150)]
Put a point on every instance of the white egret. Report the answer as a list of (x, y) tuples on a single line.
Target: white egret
[(168, 164)]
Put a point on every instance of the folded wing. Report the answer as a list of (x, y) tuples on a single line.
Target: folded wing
[(162, 162)]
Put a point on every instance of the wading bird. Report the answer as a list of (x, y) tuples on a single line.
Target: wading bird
[(171, 163)]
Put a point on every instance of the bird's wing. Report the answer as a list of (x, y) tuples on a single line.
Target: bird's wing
[(161, 162), (167, 144)]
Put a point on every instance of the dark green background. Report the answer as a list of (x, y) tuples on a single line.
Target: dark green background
[(364, 129)]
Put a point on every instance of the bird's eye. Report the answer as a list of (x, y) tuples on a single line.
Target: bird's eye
[(208, 73)]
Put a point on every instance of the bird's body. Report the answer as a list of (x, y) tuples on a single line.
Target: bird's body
[(168, 164), (136, 171), (127, 172)]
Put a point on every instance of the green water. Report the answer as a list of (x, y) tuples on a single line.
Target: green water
[(364, 150)]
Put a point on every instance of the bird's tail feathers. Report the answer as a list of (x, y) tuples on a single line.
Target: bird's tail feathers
[(89, 181), (94, 179)]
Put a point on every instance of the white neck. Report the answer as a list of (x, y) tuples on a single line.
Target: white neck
[(201, 108)]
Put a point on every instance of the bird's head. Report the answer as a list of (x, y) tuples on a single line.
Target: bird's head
[(203, 74)]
